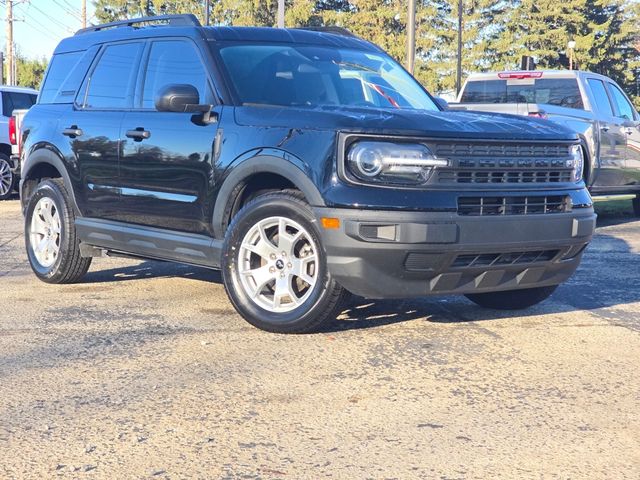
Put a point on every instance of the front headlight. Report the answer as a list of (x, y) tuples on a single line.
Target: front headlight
[(576, 162), (392, 163)]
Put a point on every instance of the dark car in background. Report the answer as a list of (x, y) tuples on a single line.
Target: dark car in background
[(305, 165)]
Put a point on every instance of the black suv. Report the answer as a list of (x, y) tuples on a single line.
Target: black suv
[(303, 164)]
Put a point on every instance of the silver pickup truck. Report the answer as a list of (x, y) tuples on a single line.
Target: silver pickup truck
[(592, 105)]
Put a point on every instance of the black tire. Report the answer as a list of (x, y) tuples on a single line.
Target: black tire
[(512, 299), (7, 178), (636, 206), (323, 298), (69, 266)]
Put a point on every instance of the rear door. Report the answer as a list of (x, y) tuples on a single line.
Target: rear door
[(166, 177), (613, 137), (93, 126), (625, 111)]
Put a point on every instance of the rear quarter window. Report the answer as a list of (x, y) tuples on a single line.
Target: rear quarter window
[(61, 67)]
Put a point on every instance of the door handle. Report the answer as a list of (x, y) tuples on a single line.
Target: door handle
[(73, 131), (138, 134), (629, 131)]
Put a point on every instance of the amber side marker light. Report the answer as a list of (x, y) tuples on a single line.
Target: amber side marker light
[(330, 223)]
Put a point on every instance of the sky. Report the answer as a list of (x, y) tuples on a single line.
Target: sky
[(41, 24)]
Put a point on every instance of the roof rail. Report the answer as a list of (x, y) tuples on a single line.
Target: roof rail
[(332, 29), (169, 20)]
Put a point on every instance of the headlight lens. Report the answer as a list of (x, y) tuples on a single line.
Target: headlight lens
[(392, 163), (576, 162)]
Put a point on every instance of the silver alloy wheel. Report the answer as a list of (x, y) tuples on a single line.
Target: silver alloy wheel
[(278, 264), (44, 234), (6, 177)]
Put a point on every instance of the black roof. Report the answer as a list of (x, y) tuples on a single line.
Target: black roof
[(187, 27)]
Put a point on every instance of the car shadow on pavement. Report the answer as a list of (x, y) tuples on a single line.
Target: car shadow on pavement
[(152, 269)]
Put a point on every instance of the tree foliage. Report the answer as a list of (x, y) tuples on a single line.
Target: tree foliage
[(30, 72), (496, 33)]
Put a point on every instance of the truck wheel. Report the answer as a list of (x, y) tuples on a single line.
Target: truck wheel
[(7, 178), (512, 299), (50, 235), (274, 267), (636, 206)]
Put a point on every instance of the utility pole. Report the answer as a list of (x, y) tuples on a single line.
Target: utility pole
[(280, 13), (207, 12), (411, 36), (84, 13), (10, 57), (459, 59)]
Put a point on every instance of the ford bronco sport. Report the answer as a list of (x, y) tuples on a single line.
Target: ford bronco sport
[(303, 164)]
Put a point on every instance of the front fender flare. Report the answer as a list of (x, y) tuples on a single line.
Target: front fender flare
[(293, 171)]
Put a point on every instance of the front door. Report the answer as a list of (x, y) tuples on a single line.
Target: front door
[(613, 141), (166, 167), (93, 127)]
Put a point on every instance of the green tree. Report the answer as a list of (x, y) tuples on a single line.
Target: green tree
[(30, 71)]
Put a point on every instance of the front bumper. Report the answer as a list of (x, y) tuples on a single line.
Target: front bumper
[(385, 254)]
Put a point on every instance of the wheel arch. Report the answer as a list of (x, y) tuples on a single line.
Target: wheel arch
[(268, 168), (43, 163)]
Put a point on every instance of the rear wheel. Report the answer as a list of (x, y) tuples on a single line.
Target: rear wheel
[(7, 178), (50, 235), (512, 299), (636, 205), (274, 266)]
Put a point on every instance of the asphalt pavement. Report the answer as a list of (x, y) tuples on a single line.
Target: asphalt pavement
[(144, 370)]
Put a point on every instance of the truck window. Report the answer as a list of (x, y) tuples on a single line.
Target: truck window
[(16, 101), (563, 92), (600, 96), (174, 61), (624, 110), (61, 66), (109, 83)]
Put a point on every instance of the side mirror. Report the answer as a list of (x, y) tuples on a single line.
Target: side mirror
[(182, 98), (442, 103)]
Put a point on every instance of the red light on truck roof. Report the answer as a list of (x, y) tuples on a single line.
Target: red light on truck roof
[(519, 75)]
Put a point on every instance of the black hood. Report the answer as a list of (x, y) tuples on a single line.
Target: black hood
[(445, 124)]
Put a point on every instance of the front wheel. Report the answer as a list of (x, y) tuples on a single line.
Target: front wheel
[(512, 299), (7, 178), (274, 266)]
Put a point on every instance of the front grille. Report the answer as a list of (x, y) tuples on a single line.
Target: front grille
[(504, 163), (529, 205), (494, 150), (503, 259), (504, 176)]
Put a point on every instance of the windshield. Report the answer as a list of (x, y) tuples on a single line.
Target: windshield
[(311, 76)]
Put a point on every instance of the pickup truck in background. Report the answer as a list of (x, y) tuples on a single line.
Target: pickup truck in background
[(14, 100), (592, 105)]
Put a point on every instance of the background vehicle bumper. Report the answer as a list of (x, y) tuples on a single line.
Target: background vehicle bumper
[(383, 254)]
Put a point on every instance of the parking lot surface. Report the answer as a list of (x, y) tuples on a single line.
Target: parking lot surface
[(144, 370)]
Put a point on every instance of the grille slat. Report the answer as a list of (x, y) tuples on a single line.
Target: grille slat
[(527, 205), (504, 176), (503, 259)]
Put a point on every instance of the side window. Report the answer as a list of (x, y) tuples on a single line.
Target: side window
[(109, 85), (625, 110), (600, 96), (174, 61), (61, 66)]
